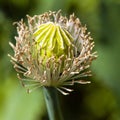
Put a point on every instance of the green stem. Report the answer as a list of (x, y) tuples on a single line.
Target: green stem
[(52, 103)]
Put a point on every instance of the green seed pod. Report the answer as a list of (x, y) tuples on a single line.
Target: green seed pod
[(53, 40)]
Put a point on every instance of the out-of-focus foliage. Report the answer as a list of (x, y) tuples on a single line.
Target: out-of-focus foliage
[(98, 101)]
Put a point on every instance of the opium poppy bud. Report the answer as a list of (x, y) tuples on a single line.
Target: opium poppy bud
[(52, 50)]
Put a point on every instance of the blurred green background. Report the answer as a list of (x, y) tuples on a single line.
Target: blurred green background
[(99, 100)]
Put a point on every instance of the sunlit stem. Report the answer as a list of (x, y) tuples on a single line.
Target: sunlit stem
[(52, 103)]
